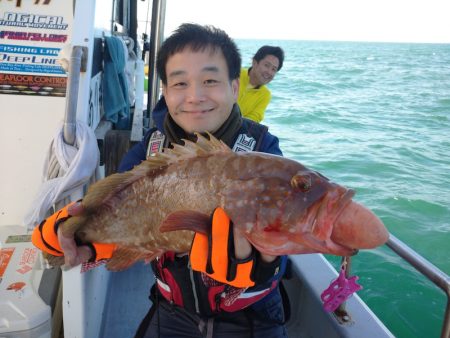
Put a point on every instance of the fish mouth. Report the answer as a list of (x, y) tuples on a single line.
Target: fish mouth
[(342, 201), (330, 207), (323, 219)]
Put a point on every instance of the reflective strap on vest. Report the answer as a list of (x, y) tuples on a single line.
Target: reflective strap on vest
[(155, 143)]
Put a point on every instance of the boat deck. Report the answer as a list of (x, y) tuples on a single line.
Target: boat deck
[(127, 301)]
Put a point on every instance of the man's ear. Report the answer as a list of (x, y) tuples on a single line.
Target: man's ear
[(235, 88), (164, 89)]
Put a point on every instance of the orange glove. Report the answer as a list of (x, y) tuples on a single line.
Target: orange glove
[(214, 254), (45, 237), (45, 234)]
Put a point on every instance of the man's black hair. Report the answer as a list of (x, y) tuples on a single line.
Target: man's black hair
[(197, 37), (270, 50)]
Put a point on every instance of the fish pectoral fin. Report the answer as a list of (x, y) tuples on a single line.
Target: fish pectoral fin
[(124, 257), (186, 220)]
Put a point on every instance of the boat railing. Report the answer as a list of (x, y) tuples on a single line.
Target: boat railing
[(426, 268), (77, 65), (156, 38)]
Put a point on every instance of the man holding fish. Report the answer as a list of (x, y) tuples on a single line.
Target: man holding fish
[(246, 209)]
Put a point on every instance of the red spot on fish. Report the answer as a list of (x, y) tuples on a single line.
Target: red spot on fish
[(16, 286), (274, 226)]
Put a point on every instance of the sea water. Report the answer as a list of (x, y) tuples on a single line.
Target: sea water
[(375, 117)]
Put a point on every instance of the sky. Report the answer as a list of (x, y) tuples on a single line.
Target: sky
[(343, 20)]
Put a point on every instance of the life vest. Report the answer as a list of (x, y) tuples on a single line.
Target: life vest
[(195, 291)]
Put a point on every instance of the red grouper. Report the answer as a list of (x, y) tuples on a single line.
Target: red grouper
[(279, 205)]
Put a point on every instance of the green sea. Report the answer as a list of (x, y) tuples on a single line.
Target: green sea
[(375, 117)]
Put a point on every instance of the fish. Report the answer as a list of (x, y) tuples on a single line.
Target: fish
[(280, 206)]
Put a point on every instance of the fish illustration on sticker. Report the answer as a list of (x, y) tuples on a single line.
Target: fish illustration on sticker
[(16, 286)]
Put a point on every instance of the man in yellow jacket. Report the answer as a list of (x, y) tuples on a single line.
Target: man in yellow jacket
[(254, 96)]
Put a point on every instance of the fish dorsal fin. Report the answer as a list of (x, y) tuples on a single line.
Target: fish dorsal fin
[(101, 191), (104, 190), (203, 147)]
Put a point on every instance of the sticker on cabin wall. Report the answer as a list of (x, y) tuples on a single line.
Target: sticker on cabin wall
[(27, 260), (28, 257), (18, 239), (32, 84), (31, 36), (24, 269), (18, 3), (32, 33), (5, 257)]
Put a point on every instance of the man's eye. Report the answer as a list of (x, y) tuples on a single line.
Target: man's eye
[(179, 84), (211, 82)]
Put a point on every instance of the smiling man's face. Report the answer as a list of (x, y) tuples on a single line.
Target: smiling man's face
[(263, 72), (198, 93)]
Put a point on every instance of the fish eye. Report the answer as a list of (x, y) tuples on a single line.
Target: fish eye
[(301, 182)]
